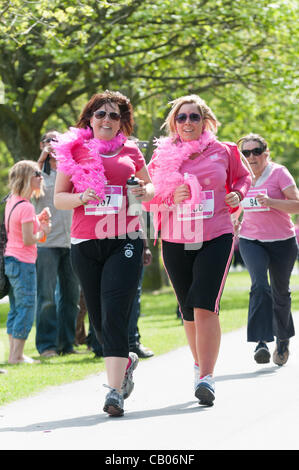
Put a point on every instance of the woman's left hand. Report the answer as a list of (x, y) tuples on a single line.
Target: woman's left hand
[(232, 199), (140, 190), (263, 200), (46, 227)]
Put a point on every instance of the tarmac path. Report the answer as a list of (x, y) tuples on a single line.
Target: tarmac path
[(256, 407)]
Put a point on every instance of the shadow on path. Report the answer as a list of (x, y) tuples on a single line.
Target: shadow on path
[(248, 375), (93, 420)]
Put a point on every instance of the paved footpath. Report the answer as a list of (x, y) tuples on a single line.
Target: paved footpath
[(256, 407)]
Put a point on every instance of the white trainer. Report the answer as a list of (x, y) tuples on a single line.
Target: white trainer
[(205, 390), (128, 384)]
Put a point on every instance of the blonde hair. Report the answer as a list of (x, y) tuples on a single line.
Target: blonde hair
[(20, 179), (209, 119)]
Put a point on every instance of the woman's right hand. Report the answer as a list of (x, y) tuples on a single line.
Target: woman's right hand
[(46, 227), (181, 193), (89, 195)]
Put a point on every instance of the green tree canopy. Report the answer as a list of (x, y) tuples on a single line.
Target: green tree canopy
[(54, 54)]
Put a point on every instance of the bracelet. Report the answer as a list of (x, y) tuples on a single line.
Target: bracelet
[(81, 199), (239, 195)]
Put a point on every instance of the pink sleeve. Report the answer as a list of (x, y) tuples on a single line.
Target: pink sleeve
[(285, 178), (238, 177), (27, 213)]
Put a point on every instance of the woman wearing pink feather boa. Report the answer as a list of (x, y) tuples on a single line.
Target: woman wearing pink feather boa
[(195, 226), (95, 160)]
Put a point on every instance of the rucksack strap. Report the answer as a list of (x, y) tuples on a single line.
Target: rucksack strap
[(16, 204)]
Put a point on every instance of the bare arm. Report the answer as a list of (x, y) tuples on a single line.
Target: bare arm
[(30, 238), (289, 205), (65, 199), (42, 158), (146, 190)]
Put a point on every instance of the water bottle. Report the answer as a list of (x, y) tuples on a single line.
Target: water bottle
[(134, 203), (195, 189)]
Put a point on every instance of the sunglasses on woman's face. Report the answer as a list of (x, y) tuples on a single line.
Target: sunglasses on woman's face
[(38, 174), (50, 139), (256, 151), (101, 114), (182, 117)]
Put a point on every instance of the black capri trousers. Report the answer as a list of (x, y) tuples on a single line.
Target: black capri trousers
[(198, 276), (109, 272)]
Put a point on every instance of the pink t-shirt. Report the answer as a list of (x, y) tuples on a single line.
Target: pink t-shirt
[(211, 169), (118, 170), (21, 214), (267, 224)]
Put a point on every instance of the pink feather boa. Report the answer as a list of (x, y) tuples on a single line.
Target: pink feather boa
[(168, 158), (89, 174)]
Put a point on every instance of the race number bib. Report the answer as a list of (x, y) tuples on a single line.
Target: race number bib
[(203, 210), (250, 203), (110, 205)]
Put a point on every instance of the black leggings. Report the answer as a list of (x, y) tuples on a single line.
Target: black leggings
[(198, 276), (109, 272)]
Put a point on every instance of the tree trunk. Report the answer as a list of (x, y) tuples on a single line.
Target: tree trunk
[(22, 143), (152, 275), (153, 278)]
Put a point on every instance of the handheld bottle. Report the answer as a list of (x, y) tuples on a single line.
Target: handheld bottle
[(134, 203), (195, 189)]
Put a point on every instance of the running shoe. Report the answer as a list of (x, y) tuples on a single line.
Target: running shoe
[(205, 390), (281, 352), (262, 353), (128, 384), (114, 402)]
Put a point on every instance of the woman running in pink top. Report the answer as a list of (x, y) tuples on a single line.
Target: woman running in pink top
[(95, 160), (198, 181), (268, 247)]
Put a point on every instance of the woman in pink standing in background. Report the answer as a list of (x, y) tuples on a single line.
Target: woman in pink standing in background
[(268, 246), (197, 237), (24, 229)]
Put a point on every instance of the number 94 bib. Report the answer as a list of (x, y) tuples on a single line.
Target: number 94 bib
[(250, 203)]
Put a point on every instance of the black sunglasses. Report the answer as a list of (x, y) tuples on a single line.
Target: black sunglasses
[(38, 174), (256, 151), (101, 114), (50, 139), (182, 117)]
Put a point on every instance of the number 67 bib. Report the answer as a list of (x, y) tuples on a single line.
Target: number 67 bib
[(110, 205)]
